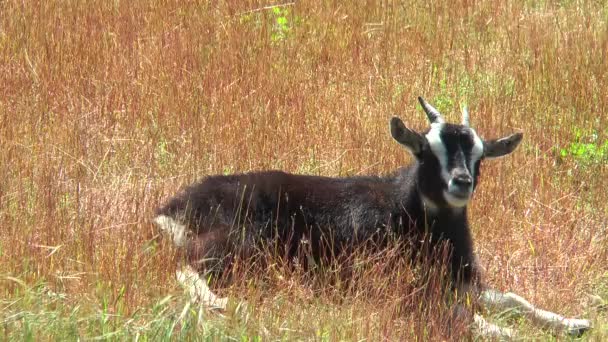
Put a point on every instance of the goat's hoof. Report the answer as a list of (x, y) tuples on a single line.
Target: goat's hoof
[(577, 327)]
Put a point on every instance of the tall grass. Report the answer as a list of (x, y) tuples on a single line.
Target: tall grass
[(108, 108)]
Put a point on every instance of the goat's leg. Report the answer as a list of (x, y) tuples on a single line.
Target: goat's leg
[(486, 329), (510, 301), (198, 289), (197, 249), (482, 328)]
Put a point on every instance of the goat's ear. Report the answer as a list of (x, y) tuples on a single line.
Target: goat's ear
[(501, 147), (406, 137)]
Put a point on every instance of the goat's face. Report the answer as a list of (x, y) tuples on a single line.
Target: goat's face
[(449, 157)]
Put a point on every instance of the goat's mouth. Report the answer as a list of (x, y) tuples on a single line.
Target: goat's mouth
[(460, 192), (457, 196), (458, 199)]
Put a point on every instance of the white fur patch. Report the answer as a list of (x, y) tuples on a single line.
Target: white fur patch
[(176, 230), (491, 331), (198, 290), (455, 202), (439, 150), (544, 318), (476, 152)]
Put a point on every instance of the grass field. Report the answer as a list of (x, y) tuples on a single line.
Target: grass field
[(107, 108)]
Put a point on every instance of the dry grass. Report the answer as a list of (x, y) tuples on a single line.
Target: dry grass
[(107, 108)]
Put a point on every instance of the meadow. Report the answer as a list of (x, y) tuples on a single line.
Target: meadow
[(108, 108)]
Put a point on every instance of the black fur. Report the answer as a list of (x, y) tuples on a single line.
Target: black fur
[(237, 212)]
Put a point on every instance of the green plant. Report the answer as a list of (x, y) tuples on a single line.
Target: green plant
[(281, 26), (162, 154), (586, 149)]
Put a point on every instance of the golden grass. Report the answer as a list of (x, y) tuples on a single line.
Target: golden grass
[(106, 109)]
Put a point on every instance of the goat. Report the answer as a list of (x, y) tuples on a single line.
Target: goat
[(431, 195)]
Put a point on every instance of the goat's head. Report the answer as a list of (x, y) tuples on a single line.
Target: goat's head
[(449, 156)]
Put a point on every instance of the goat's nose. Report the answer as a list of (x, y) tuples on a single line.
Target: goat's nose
[(463, 179)]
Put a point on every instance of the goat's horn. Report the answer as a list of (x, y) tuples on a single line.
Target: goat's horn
[(465, 116), (432, 113)]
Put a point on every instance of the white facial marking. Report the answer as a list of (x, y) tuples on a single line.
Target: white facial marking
[(455, 202), (476, 152), (174, 229), (438, 149)]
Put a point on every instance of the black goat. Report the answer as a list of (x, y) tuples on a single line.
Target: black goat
[(223, 215)]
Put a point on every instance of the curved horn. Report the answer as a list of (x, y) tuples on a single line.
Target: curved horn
[(432, 113), (465, 116)]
